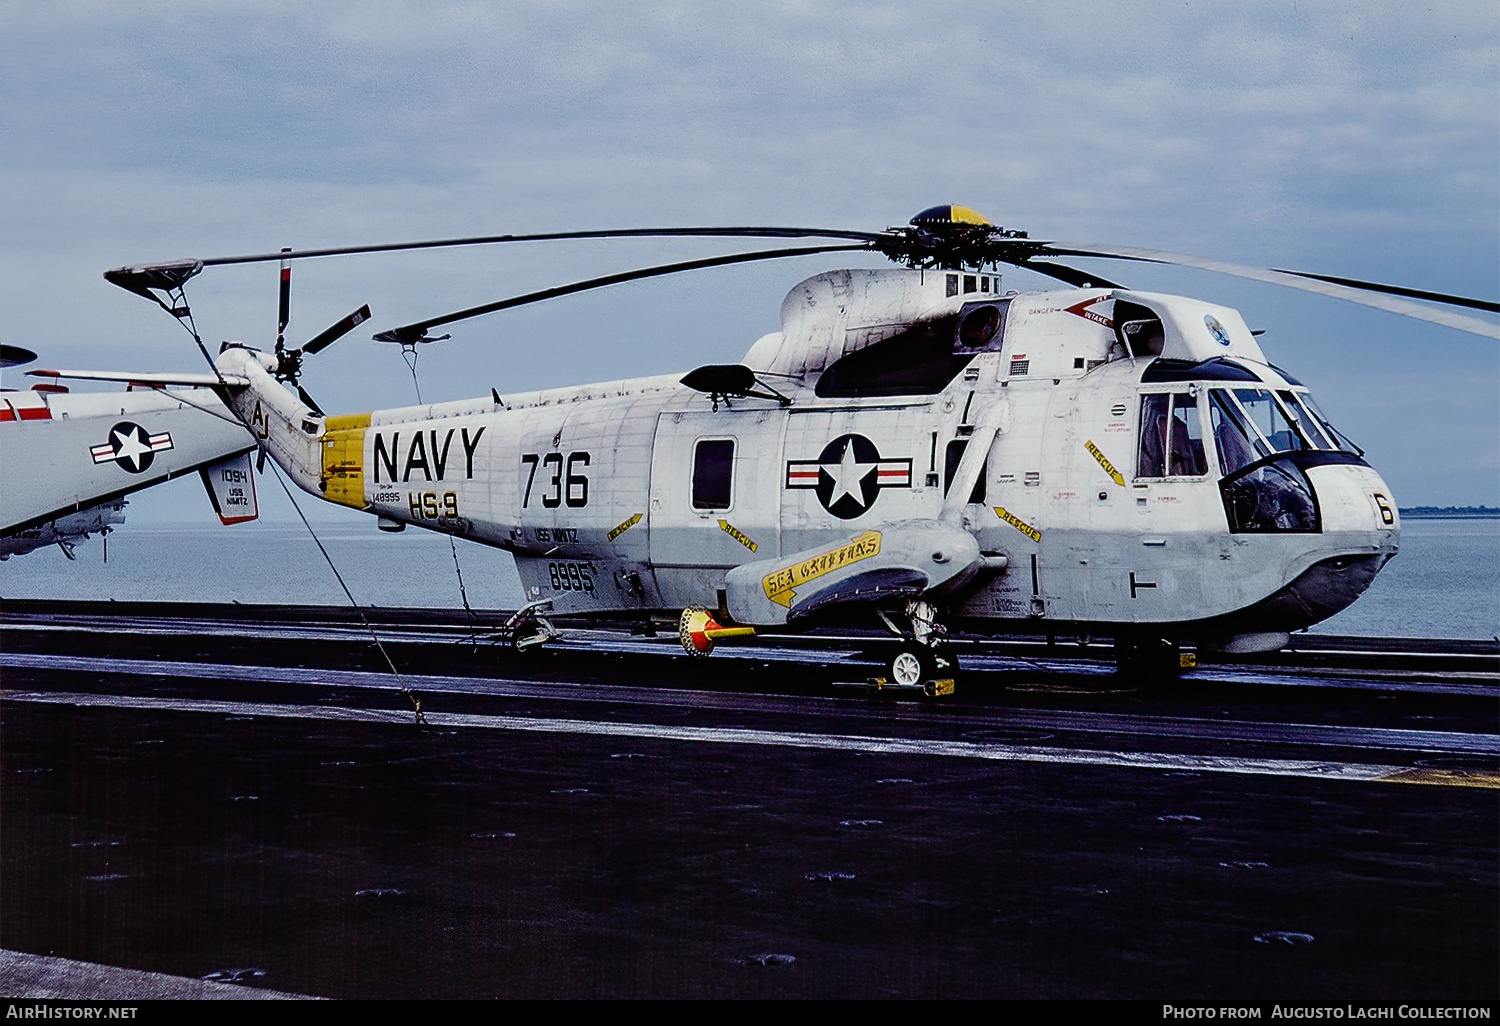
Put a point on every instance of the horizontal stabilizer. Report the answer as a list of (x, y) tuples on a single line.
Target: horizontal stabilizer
[(153, 380), (889, 561)]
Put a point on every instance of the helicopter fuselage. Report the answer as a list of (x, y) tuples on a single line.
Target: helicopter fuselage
[(1086, 460)]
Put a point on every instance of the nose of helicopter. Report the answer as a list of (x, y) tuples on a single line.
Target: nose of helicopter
[(1361, 532), (1356, 507)]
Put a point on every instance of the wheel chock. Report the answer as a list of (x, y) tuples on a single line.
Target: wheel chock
[(932, 688)]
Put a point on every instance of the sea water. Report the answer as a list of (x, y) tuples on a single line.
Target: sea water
[(1445, 583)]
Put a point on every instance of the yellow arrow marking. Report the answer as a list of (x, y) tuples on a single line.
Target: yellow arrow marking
[(734, 533), (779, 585), (622, 528), (1109, 468), (1019, 524)]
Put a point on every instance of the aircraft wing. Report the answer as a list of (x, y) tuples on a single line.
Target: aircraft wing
[(905, 559)]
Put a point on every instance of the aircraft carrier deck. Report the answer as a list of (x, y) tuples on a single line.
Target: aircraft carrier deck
[(242, 794)]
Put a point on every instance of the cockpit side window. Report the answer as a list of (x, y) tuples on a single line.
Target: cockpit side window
[(1269, 418), (1237, 447), (1153, 457), (1185, 457), (1171, 437)]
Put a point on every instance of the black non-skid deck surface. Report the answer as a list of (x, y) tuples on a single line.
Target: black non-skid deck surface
[(375, 860)]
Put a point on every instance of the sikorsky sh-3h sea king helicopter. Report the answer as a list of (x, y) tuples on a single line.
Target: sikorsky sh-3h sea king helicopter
[(915, 447)]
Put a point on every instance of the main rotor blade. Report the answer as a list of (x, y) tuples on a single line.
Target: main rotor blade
[(1362, 293), (1398, 290), (414, 332), (749, 232), (334, 332)]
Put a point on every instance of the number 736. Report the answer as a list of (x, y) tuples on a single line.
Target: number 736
[(562, 481)]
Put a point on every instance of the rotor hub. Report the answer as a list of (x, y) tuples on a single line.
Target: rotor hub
[(953, 237)]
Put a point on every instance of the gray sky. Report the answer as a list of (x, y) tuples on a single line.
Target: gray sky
[(1359, 139)]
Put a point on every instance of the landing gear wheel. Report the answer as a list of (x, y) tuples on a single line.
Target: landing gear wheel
[(912, 665)]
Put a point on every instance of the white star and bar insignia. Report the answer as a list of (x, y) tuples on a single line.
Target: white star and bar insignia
[(131, 446), (848, 475)]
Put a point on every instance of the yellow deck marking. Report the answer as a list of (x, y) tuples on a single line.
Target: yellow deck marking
[(344, 459), (1109, 468), (620, 529), (779, 585), (1019, 524), (1488, 779), (734, 533)]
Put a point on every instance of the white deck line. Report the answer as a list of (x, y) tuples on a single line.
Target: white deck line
[(1317, 770)]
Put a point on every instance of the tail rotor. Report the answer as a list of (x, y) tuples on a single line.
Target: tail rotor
[(289, 361)]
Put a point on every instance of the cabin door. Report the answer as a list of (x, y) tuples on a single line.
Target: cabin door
[(714, 490)]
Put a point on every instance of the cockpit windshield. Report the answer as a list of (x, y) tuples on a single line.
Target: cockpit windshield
[(1265, 440), (1332, 434), (1259, 421), (1306, 422)]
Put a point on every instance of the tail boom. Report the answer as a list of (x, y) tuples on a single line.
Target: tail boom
[(323, 455)]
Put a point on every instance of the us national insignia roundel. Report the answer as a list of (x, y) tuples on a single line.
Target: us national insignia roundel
[(848, 475), (131, 447)]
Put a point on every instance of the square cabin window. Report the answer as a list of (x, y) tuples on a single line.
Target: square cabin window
[(713, 473)]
